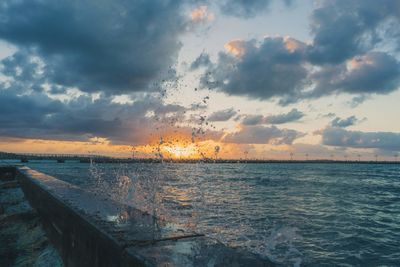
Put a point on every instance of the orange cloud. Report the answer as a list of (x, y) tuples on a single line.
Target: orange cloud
[(292, 44), (236, 47), (201, 14), (360, 61)]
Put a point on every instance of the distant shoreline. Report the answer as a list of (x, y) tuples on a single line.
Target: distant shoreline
[(150, 161), (230, 161), (62, 158)]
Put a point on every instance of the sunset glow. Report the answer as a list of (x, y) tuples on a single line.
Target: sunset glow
[(255, 78), (180, 151)]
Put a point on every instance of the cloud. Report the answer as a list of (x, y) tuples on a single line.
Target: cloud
[(35, 115), (258, 70), (352, 51), (23, 110), (30, 108), (293, 115), (345, 29), (357, 100), (343, 123), (327, 115), (39, 114), (202, 14), (237, 47), (374, 72), (339, 137), (253, 119), (279, 68), (246, 8), (201, 61), (222, 115), (113, 47), (263, 135)]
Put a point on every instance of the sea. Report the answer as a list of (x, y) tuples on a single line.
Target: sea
[(295, 214)]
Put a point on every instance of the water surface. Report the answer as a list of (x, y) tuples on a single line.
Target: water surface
[(294, 214)]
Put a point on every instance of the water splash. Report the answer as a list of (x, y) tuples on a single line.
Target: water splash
[(279, 246), (187, 202)]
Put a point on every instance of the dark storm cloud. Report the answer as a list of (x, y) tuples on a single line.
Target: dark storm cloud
[(24, 71), (338, 122), (17, 111), (263, 135), (351, 52), (277, 69), (35, 115), (258, 71), (121, 123), (293, 115), (110, 46), (222, 115), (26, 112), (21, 67), (340, 137), (345, 28)]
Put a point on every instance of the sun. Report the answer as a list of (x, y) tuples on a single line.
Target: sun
[(179, 151)]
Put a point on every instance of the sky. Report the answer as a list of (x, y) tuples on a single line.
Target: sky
[(261, 79)]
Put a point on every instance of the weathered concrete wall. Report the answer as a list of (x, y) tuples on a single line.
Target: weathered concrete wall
[(79, 242), (90, 230)]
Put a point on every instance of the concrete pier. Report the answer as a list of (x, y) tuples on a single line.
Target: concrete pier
[(90, 230)]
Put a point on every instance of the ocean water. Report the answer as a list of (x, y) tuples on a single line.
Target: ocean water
[(294, 214)]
